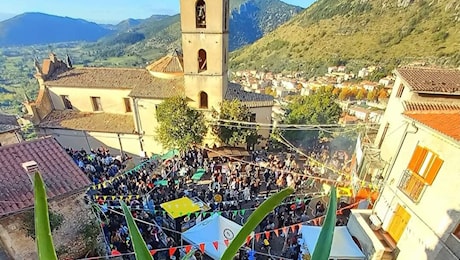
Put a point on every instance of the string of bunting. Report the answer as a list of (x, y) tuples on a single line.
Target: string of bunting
[(204, 214), (283, 230)]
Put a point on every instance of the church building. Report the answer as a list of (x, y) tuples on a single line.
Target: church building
[(88, 107)]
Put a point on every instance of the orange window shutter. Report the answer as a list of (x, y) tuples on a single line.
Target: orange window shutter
[(433, 171), (417, 159)]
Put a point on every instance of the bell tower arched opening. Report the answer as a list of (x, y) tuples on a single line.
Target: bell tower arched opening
[(200, 14), (202, 62), (203, 100)]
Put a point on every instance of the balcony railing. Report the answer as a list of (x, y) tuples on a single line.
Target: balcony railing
[(412, 185)]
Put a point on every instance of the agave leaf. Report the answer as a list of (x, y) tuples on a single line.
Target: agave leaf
[(140, 248), (324, 244), (45, 245), (254, 219)]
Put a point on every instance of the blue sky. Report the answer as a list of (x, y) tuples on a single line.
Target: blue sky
[(101, 10)]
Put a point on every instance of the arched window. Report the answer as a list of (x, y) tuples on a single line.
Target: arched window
[(203, 100), (202, 64), (200, 14)]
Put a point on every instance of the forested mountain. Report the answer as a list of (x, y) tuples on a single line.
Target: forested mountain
[(249, 20), (39, 28), (360, 32)]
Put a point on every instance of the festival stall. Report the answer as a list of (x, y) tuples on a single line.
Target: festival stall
[(180, 213), (343, 246), (213, 235)]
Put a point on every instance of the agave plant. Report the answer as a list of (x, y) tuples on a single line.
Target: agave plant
[(254, 219), (323, 247), (45, 246), (140, 247)]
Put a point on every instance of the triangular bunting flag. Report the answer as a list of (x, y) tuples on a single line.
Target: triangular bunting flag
[(277, 232), (130, 196), (188, 248), (243, 211), (219, 213), (299, 226), (202, 247), (214, 213), (113, 197), (138, 196), (257, 237), (248, 239), (96, 197), (285, 230), (216, 245), (226, 242), (197, 214), (292, 228), (172, 250), (188, 214), (105, 197), (152, 252), (235, 212), (267, 234), (121, 197)]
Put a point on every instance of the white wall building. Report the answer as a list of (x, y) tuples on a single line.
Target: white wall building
[(417, 215)]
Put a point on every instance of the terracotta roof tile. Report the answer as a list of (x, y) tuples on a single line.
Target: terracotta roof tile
[(431, 80), (428, 106), (169, 64), (250, 99), (121, 78), (447, 123), (160, 88), (60, 173), (98, 122)]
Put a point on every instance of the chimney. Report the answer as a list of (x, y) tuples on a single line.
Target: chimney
[(31, 167)]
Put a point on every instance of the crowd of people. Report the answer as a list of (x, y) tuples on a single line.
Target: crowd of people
[(236, 183)]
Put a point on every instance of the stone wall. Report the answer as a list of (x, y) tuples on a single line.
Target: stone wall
[(67, 239)]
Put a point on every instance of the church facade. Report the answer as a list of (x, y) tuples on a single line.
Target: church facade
[(87, 107)]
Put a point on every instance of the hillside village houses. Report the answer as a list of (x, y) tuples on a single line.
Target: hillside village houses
[(115, 107), (417, 215)]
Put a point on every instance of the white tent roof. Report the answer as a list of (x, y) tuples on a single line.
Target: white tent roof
[(213, 229), (343, 246)]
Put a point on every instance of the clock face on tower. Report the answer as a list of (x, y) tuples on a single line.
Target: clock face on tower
[(228, 234)]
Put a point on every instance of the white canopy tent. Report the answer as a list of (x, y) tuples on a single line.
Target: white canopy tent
[(211, 230), (343, 246)]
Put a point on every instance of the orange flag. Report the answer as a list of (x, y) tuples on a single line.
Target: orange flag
[(257, 237), (188, 248), (153, 251), (172, 250), (202, 247), (293, 228), (300, 226), (267, 234), (226, 242), (216, 244), (248, 239), (277, 232)]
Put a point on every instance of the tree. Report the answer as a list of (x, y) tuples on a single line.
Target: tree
[(361, 94), (179, 125), (318, 108), (372, 95), (344, 93), (234, 133)]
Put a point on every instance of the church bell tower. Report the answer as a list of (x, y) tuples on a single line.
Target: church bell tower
[(204, 26)]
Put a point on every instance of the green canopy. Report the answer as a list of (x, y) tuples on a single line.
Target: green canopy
[(198, 174), (170, 154), (164, 182)]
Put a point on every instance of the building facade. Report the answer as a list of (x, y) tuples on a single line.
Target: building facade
[(116, 107), (417, 215), (10, 131)]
